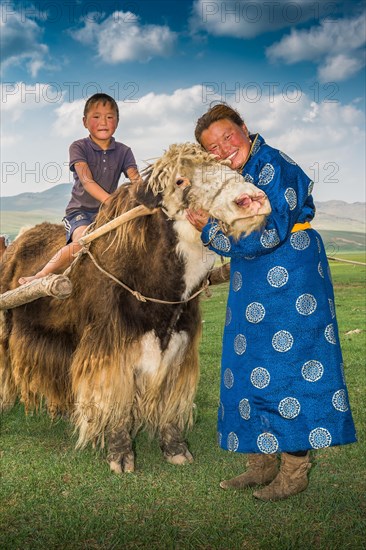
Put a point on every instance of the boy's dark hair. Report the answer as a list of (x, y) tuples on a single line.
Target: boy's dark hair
[(101, 98), (218, 112)]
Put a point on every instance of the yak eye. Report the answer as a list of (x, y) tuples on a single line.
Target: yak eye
[(179, 182)]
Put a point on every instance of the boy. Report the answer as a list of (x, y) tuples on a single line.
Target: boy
[(97, 162)]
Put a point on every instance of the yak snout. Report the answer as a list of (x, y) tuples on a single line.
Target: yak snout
[(255, 203)]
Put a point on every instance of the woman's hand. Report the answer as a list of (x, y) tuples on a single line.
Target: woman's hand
[(198, 218)]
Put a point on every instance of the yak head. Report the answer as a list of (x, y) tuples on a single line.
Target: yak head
[(186, 176)]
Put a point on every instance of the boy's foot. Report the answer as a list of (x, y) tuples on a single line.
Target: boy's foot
[(24, 280)]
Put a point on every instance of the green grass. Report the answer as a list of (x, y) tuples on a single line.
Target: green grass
[(54, 497), (343, 242), (12, 221)]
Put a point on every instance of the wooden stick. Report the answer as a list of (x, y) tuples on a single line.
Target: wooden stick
[(140, 210), (57, 286)]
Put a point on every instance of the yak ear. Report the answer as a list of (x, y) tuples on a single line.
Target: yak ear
[(144, 195)]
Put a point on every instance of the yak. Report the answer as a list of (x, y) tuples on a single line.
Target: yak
[(121, 353)]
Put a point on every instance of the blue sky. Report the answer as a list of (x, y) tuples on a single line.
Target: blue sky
[(294, 69)]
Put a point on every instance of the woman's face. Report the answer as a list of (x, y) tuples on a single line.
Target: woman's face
[(227, 140)]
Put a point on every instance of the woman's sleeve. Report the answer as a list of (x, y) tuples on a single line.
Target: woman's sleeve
[(289, 191)]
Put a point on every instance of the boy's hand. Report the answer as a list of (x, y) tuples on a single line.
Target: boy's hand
[(107, 200)]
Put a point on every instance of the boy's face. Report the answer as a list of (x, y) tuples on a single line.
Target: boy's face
[(101, 121)]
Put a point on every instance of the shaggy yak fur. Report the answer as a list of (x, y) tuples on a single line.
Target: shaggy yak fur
[(113, 363)]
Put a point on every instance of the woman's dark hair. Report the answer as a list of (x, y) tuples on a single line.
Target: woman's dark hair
[(101, 98), (218, 112)]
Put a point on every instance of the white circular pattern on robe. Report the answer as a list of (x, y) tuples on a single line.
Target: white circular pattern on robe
[(339, 401), (291, 198), (300, 240), (240, 344), (237, 281), (318, 243), (228, 379), (329, 334), (320, 270), (320, 438), (282, 341), (286, 157), (260, 378), (255, 312), (269, 238), (221, 242), (219, 438), (329, 274), (306, 304), (310, 187), (249, 257), (213, 230), (221, 410), (312, 371), (331, 307), (248, 178), (289, 407), (267, 443), (277, 276), (229, 316), (266, 175), (244, 409), (232, 442)]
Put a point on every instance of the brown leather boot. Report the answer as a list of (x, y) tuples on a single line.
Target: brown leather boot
[(291, 480), (261, 470)]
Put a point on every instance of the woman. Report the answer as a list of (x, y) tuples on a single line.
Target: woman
[(283, 389)]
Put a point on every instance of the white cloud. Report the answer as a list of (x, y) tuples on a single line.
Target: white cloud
[(327, 139), (340, 67), (121, 37), (247, 19), (68, 119), (8, 141), (18, 97), (337, 46), (20, 40)]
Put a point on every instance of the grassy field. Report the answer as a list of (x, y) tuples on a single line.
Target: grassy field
[(54, 497), (11, 222), (344, 242)]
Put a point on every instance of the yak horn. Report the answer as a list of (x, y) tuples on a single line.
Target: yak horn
[(136, 212)]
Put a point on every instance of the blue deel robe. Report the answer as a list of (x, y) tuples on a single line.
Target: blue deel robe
[(282, 380)]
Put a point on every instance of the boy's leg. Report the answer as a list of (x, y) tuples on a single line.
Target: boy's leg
[(61, 260)]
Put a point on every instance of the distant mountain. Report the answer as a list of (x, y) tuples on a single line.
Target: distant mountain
[(50, 205), (54, 200), (340, 216)]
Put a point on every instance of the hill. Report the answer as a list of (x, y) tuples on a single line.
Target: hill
[(340, 216), (52, 200)]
